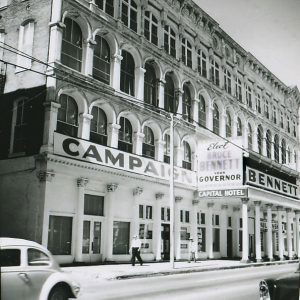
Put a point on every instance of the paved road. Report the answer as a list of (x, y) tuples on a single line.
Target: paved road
[(221, 285)]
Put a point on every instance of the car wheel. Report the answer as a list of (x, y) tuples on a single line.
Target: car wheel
[(264, 293), (58, 293)]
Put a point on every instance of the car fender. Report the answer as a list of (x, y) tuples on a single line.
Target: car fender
[(52, 280)]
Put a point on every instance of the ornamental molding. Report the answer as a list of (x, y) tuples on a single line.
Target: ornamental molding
[(138, 191), (82, 182), (159, 196), (112, 187), (45, 176)]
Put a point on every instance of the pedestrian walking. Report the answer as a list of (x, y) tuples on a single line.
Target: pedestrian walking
[(192, 250), (135, 250)]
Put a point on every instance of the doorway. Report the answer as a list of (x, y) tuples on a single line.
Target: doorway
[(165, 237), (229, 243), (251, 246)]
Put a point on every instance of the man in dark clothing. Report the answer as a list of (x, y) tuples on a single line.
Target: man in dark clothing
[(135, 250)]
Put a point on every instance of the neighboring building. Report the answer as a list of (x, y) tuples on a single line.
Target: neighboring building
[(85, 148)]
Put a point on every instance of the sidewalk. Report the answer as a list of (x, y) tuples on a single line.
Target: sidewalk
[(126, 271)]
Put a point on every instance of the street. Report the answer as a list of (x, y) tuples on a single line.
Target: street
[(222, 285)]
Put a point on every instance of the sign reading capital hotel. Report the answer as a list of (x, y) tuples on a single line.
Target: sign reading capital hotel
[(110, 157), (220, 165)]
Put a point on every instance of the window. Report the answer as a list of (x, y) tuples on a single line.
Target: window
[(201, 239), (276, 148), (216, 119), (165, 214), (150, 28), (288, 124), (129, 14), (250, 140), (93, 205), (71, 49), (295, 157), (215, 73), (268, 143), (229, 221), (283, 152), (150, 86), (25, 44), (267, 112), (145, 210), (106, 5), (215, 220), (37, 258), (167, 149), (294, 129), (148, 144), (170, 41), (227, 81), (127, 73), (10, 257), (187, 216), (187, 156), (281, 120), (202, 112), (184, 234), (288, 152), (274, 115), (145, 232), (141, 211), (258, 103), (202, 218), (238, 89), (239, 127), (202, 63), (148, 212), (60, 235), (67, 118), (121, 237), (240, 240), (228, 125), (186, 49), (98, 129), (187, 104), (101, 60), (216, 239), (125, 135), (169, 94), (260, 139), (249, 96)]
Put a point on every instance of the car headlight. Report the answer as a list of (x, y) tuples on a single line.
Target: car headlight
[(76, 288), (264, 293)]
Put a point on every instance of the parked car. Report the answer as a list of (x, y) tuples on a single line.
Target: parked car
[(285, 287), (29, 272)]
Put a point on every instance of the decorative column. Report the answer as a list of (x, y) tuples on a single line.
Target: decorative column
[(161, 93), (245, 256), (85, 126), (178, 156), (264, 144), (236, 230), (139, 83), (109, 199), (280, 233), (297, 232), (177, 226), (254, 140), (137, 192), (138, 143), (209, 229), (195, 104), (194, 224), (159, 150), (257, 231), (88, 62), (178, 96), (55, 41), (113, 135), (157, 227), (234, 126), (223, 230), (81, 184), (223, 123), (209, 116), (51, 109), (269, 232), (116, 71), (289, 232)]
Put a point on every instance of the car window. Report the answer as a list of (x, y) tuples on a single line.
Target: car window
[(10, 257), (37, 258)]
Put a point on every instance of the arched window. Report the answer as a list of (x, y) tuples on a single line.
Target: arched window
[(238, 89), (150, 28), (186, 104), (258, 103), (106, 5), (101, 60), (125, 135), (288, 152), (167, 149), (228, 125), (71, 49), (295, 157), (202, 62), (288, 125), (187, 156), (250, 137), (150, 85), (148, 144), (283, 152), (127, 73), (186, 49), (260, 139), (98, 131), (274, 115), (267, 111), (202, 112), (239, 127), (169, 94), (129, 14), (170, 41), (268, 143), (249, 96), (294, 129), (227, 81), (215, 72), (281, 120), (67, 117), (276, 148), (216, 119)]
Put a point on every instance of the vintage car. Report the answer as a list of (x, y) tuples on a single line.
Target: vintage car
[(285, 287), (29, 271)]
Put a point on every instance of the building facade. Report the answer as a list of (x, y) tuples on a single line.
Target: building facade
[(88, 89)]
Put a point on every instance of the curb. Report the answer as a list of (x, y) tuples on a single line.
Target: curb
[(171, 272)]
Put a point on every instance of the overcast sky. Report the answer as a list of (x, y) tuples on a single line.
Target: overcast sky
[(269, 29)]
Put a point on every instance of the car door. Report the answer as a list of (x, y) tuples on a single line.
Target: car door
[(13, 274)]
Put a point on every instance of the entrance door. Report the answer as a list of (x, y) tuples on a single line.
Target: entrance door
[(91, 242), (229, 243), (165, 236), (251, 245)]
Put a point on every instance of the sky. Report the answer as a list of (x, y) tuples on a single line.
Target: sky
[(269, 29)]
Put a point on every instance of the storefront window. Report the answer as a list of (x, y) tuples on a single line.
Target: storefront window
[(216, 239), (93, 205), (201, 232), (121, 237)]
